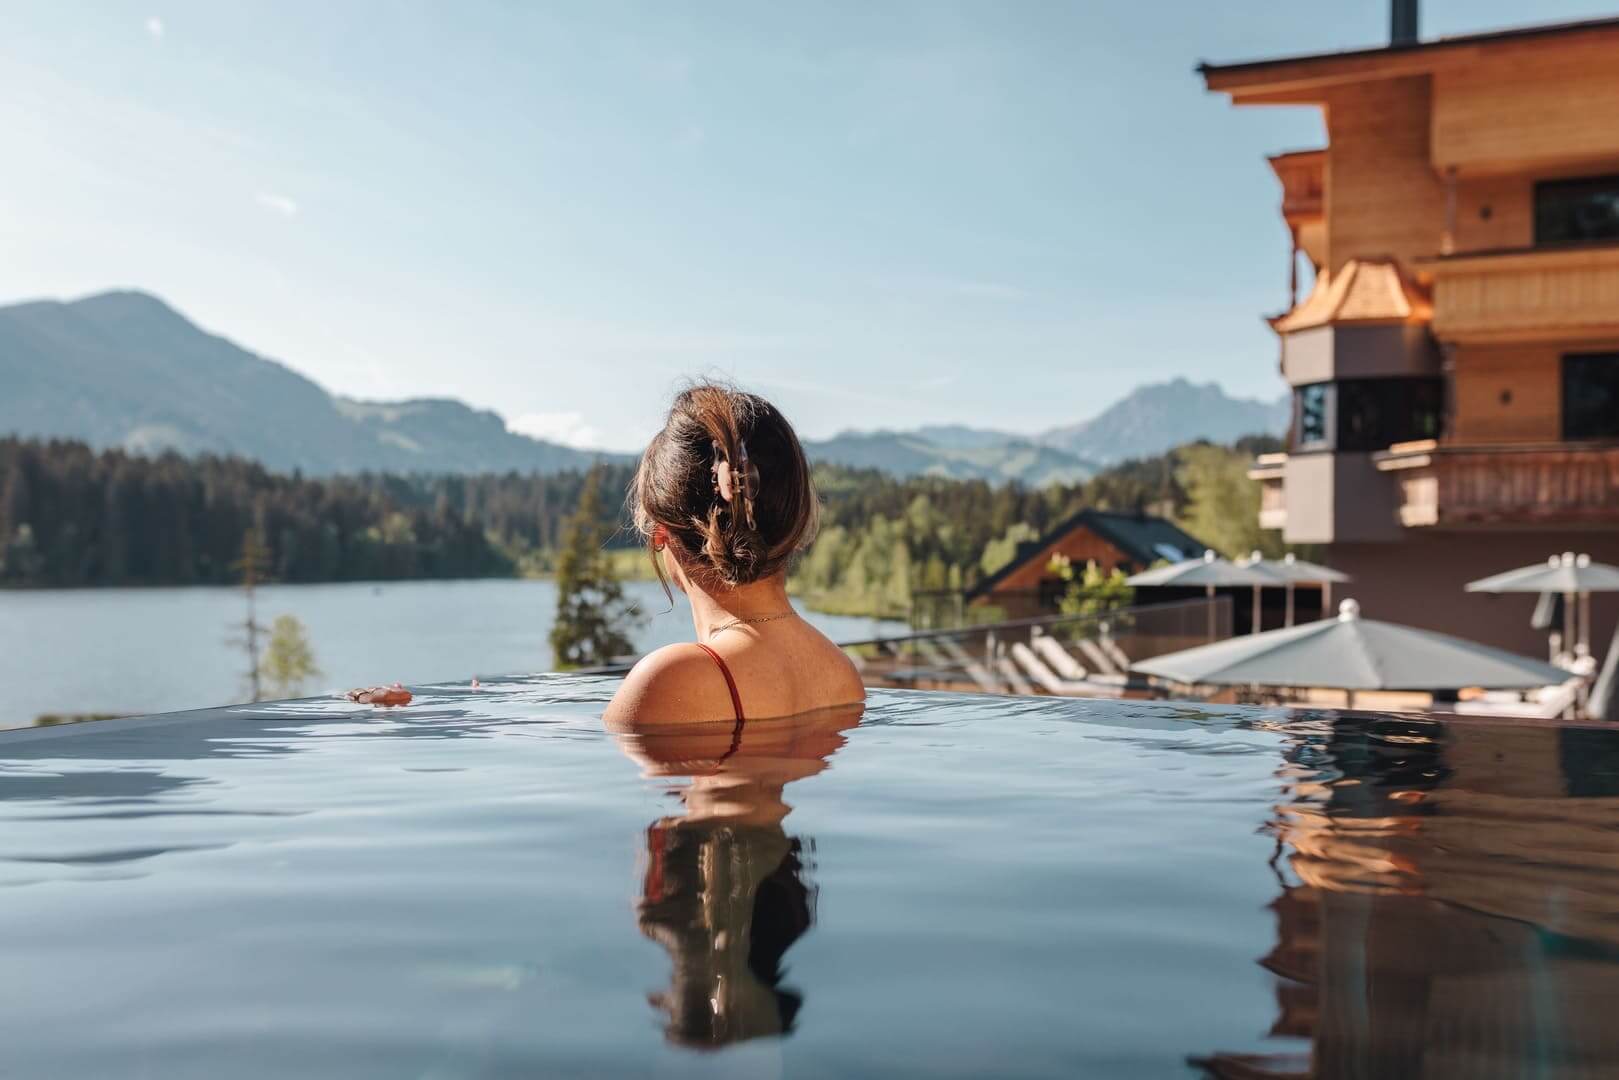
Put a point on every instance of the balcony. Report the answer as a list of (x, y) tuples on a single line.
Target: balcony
[(1544, 294), (1527, 484), (1268, 471)]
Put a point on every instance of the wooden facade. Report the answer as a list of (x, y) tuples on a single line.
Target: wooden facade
[(1128, 542), (1439, 161)]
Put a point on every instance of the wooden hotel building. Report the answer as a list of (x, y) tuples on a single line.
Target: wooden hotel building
[(1455, 361)]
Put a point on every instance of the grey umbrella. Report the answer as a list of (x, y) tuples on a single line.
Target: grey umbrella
[(1296, 571), (1576, 577), (1211, 572), (1351, 653)]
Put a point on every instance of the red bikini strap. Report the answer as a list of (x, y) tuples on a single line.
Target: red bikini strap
[(730, 683)]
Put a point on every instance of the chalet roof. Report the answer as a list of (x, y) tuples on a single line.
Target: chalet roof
[(1144, 539), (1288, 75), (1361, 291)]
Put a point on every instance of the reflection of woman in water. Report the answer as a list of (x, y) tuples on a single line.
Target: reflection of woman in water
[(725, 889)]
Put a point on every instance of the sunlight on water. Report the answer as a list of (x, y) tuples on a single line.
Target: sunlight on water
[(486, 883)]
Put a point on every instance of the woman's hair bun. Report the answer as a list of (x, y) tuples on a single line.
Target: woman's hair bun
[(728, 481)]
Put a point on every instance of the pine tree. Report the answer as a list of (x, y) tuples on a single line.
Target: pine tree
[(255, 558), (593, 619)]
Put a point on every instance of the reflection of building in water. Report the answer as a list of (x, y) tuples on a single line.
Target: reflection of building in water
[(1454, 911), (726, 901)]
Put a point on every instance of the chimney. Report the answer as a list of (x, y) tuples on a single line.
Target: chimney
[(1403, 23)]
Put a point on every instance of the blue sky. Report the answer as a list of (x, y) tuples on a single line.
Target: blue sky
[(880, 214)]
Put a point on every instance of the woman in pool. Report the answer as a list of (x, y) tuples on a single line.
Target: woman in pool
[(724, 499)]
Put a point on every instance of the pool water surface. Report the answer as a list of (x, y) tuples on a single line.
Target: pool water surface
[(487, 884)]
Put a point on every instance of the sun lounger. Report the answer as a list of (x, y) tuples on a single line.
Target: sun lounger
[(1548, 704), (1058, 658), (1098, 659), (1114, 653), (1014, 678), (1043, 676), (1052, 683), (977, 672)]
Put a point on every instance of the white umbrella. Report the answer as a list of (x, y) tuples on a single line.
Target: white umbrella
[(1296, 571), (1350, 653), (1575, 576), (1211, 572)]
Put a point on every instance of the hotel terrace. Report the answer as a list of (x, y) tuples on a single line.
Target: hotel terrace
[(1455, 361)]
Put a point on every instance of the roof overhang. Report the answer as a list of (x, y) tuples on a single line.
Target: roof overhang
[(1302, 80)]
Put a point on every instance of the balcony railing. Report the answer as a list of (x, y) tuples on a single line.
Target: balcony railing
[(1527, 294), (1268, 470), (1532, 484)]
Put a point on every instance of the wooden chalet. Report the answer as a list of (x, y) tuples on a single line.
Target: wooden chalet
[(1455, 359), (1130, 542)]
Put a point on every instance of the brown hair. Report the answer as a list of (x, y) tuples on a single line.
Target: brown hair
[(715, 431)]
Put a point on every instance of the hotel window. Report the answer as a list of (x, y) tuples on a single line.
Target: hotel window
[(1365, 415), (1314, 407), (1374, 414), (1591, 396), (1571, 211)]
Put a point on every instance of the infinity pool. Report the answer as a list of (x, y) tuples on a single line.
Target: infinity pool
[(487, 884)]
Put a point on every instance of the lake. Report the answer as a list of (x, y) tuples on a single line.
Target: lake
[(158, 650)]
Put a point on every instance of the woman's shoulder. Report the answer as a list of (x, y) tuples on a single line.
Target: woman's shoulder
[(676, 682)]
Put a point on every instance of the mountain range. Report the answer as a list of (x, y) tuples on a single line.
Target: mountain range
[(124, 369), (998, 458), (1149, 420)]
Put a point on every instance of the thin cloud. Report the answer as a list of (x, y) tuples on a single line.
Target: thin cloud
[(281, 204), (154, 28), (567, 428)]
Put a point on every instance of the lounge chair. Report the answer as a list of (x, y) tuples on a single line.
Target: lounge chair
[(1101, 661), (1549, 703), (1060, 659), (959, 659), (1014, 678), (1052, 683)]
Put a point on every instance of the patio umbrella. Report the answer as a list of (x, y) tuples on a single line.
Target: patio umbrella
[(1575, 577), (1351, 653), (1211, 572), (1296, 571)]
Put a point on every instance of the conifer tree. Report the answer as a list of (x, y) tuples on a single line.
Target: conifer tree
[(255, 558), (594, 619)]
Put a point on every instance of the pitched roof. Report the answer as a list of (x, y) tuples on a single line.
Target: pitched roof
[(1362, 290), (1306, 73), (1144, 539)]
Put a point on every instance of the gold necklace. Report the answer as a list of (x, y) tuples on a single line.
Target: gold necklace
[(750, 622)]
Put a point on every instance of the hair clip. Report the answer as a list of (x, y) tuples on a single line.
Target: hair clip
[(729, 483)]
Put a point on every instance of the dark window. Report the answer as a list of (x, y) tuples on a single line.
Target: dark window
[(1315, 426), (1374, 414), (1367, 414), (1591, 396), (1569, 211)]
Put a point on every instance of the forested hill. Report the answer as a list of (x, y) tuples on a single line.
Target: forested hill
[(125, 370), (71, 515)]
